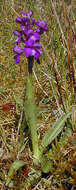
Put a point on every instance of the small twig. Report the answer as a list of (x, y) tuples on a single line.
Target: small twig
[(35, 188), (59, 109), (20, 121), (12, 2), (58, 85), (39, 84), (8, 122), (73, 73), (50, 59), (55, 13), (14, 11), (68, 46)]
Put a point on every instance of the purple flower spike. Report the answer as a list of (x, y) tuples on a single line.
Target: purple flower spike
[(29, 36), (41, 27)]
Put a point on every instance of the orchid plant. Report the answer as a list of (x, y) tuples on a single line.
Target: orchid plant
[(29, 35), (32, 49)]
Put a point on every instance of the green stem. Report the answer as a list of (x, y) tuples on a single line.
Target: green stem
[(30, 113)]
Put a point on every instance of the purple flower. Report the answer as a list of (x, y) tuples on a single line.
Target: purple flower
[(18, 40), (24, 14), (17, 33), (18, 51), (32, 39), (29, 37), (18, 19), (29, 33), (33, 21), (33, 47), (19, 37), (29, 14), (17, 58), (33, 50), (41, 27)]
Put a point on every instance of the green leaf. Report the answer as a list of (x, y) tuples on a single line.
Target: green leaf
[(46, 164), (54, 131), (18, 100), (17, 164)]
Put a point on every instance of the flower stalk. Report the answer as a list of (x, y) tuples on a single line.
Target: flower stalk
[(30, 112)]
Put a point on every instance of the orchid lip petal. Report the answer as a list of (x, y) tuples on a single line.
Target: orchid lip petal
[(24, 13), (22, 27), (42, 23), (17, 49), (16, 32), (18, 19), (29, 33), (38, 53), (42, 26), (32, 39), (18, 40), (30, 13), (29, 52), (37, 45)]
